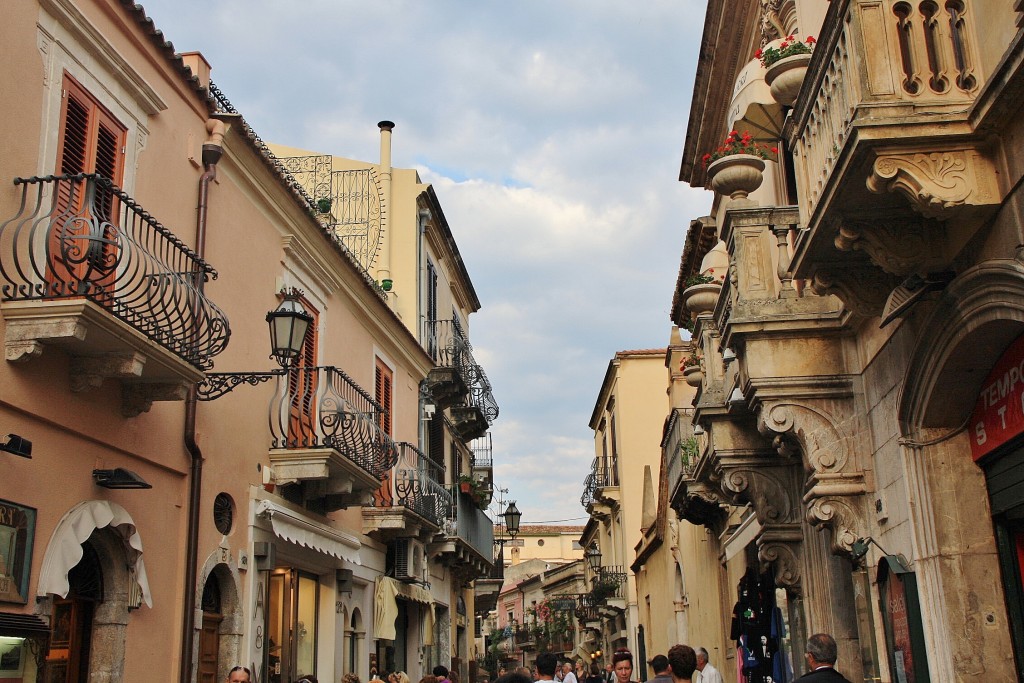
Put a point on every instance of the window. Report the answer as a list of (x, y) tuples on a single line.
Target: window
[(90, 140), (383, 384)]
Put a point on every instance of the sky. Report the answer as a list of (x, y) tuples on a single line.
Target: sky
[(552, 132)]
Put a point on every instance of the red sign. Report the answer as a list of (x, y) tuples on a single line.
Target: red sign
[(999, 413)]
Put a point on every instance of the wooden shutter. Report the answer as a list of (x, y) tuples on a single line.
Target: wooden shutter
[(382, 393), (302, 384)]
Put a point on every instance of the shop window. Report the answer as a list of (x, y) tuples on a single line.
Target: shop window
[(292, 624)]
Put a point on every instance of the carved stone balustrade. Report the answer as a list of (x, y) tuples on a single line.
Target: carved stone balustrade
[(894, 175)]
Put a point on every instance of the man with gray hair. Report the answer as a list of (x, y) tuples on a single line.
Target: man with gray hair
[(708, 673), (821, 656)]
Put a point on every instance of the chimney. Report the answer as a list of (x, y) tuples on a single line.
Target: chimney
[(384, 262), (198, 65)]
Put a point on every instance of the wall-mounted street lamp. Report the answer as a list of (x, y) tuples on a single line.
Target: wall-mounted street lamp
[(17, 445), (119, 478), (512, 515), (289, 323), (594, 557)]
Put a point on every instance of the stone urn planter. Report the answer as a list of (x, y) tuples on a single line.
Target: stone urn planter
[(693, 375), (701, 299), (785, 77), (736, 175)]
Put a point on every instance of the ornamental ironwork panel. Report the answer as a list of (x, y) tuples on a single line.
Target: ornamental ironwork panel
[(448, 346), (415, 483), (589, 489), (81, 236), (322, 407)]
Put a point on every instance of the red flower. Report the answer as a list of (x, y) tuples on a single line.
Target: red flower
[(757, 55), (810, 40), (775, 150), (791, 37)]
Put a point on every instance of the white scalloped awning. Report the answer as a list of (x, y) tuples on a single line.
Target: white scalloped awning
[(64, 550), (292, 527), (753, 109)]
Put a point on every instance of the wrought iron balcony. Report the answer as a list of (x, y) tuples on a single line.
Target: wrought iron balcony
[(80, 252), (603, 474), (482, 449), (348, 203), (447, 345), (325, 431), (589, 488), (609, 583), (412, 484), (680, 449), (469, 541)]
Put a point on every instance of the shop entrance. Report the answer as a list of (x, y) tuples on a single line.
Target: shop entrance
[(1004, 475), (292, 624)]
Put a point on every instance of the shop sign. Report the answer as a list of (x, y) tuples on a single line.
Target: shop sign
[(999, 412), (17, 531), (901, 617)]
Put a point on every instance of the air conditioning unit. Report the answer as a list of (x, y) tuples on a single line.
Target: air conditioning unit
[(407, 559)]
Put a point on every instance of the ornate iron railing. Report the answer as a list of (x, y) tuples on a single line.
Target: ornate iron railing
[(415, 482), (322, 407), (609, 583), (222, 104), (680, 446), (83, 237), (480, 394), (589, 489), (587, 608), (348, 203), (448, 346)]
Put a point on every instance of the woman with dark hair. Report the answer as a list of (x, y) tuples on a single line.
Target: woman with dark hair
[(594, 675), (622, 664)]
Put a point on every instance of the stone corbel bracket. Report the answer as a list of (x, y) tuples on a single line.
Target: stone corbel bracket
[(836, 484), (941, 184), (863, 290), (899, 247)]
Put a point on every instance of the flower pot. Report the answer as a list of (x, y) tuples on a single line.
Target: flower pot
[(701, 299), (785, 77), (693, 375), (465, 486), (736, 175)]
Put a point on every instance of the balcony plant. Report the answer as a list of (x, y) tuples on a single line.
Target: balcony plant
[(467, 484), (736, 167), (323, 205), (786, 66), (701, 293), (692, 372)]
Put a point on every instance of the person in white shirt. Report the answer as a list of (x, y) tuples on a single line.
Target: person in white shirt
[(708, 673), (567, 675)]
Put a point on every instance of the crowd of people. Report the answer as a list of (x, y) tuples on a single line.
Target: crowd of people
[(681, 664)]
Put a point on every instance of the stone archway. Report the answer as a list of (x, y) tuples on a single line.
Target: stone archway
[(965, 620), (219, 570)]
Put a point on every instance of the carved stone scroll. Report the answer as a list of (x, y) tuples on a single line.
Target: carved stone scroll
[(938, 184)]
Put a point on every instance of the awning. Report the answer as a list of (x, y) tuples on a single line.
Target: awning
[(292, 527), (753, 109), (22, 625), (385, 608), (64, 550)]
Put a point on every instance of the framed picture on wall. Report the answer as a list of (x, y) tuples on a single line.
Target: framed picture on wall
[(12, 657), (17, 532)]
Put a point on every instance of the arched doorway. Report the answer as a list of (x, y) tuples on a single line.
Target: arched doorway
[(71, 621), (354, 636), (209, 634)]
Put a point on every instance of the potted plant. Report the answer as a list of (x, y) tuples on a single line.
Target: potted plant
[(323, 205), (692, 372), (466, 484), (735, 168), (786, 66), (700, 293)]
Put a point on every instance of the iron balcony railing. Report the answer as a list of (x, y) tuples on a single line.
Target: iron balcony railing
[(448, 346), (322, 407), (589, 489), (609, 583), (82, 237), (480, 394), (482, 449), (414, 482), (587, 608), (471, 525), (680, 446), (349, 203)]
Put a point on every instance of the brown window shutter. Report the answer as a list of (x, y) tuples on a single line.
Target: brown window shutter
[(382, 393)]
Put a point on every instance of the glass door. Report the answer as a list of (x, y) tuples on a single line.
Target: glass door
[(292, 624)]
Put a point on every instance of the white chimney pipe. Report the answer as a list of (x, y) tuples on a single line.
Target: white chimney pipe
[(384, 257)]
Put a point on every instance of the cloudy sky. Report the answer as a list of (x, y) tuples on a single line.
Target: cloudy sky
[(552, 131)]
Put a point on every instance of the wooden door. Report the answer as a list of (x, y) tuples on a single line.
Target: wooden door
[(209, 647)]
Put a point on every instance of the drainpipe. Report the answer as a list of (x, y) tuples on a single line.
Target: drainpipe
[(212, 151), (384, 264)]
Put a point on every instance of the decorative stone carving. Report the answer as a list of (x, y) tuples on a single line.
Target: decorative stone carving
[(938, 184), (137, 397), (772, 27), (764, 488), (782, 552), (837, 485), (896, 246), (88, 372), (862, 290)]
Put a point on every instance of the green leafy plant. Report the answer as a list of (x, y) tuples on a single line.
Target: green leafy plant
[(689, 449), (700, 279), (323, 205), (787, 48), (736, 143)]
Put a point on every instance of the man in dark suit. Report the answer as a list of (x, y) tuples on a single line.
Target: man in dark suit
[(821, 660)]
